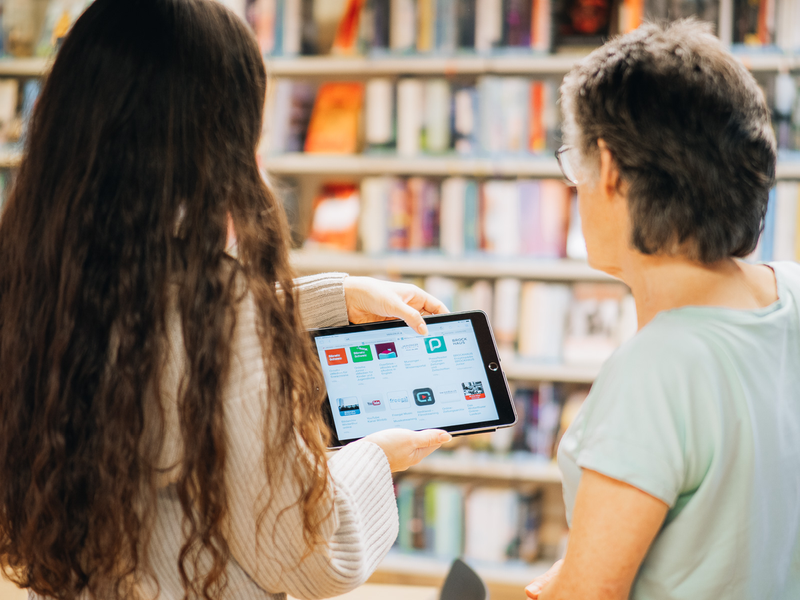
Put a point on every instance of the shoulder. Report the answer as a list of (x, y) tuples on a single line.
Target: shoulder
[(670, 345)]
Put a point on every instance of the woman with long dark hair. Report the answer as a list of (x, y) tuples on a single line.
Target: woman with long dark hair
[(160, 422)]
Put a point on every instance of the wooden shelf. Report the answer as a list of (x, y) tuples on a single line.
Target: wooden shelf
[(521, 370), (366, 164), (436, 264), (485, 466), (23, 67), (9, 158), (357, 165), (332, 67), (422, 565)]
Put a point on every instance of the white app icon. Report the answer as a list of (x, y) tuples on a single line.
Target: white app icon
[(399, 400)]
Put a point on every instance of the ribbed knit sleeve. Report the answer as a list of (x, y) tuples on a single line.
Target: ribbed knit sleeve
[(321, 299), (265, 533)]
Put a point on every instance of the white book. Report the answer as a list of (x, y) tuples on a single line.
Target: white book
[(443, 288), (374, 218), (379, 111), (501, 219), (410, 96), (451, 217), (516, 100), (488, 24), (292, 27), (402, 25), (506, 312), (543, 320), (437, 115), (276, 125), (482, 294), (785, 220), (491, 522)]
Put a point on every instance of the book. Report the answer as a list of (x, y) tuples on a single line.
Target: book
[(402, 26), (374, 220), (488, 24), (465, 17), (501, 217), (426, 16), (542, 321), (506, 313), (491, 523), (785, 220), (335, 119), (581, 23), (465, 113), (410, 111), (592, 332), (345, 42), (453, 216), (379, 113), (541, 26), (446, 26), (754, 22), (289, 106), (517, 23), (437, 120), (334, 223)]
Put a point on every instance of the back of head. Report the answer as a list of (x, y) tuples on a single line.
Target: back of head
[(143, 141), (690, 131)]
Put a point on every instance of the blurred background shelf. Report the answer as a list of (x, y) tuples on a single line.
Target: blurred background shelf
[(434, 264), (522, 64), (504, 580), (520, 370), (487, 466), (23, 67), (365, 164), (444, 166)]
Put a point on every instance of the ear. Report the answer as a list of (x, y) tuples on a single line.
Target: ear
[(609, 180)]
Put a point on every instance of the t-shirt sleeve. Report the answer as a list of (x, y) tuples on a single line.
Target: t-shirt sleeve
[(633, 427)]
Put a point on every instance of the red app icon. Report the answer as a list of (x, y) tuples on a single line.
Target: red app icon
[(336, 357)]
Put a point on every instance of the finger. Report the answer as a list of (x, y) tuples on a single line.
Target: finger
[(423, 301), (411, 316), (431, 437), (421, 453)]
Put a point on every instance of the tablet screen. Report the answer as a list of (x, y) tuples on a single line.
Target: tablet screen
[(397, 378)]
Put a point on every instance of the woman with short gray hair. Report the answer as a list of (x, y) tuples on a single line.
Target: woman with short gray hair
[(682, 470)]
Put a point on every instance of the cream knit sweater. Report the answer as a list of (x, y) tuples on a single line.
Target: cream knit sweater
[(267, 560)]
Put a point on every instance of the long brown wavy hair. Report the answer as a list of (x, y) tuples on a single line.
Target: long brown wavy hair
[(142, 143)]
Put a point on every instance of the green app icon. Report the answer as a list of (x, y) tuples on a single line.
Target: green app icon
[(435, 344), (361, 353)]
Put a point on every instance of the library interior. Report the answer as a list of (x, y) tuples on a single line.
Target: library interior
[(417, 142)]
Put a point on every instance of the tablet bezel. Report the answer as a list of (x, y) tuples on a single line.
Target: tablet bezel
[(487, 347)]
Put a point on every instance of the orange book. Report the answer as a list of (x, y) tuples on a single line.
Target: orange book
[(538, 136), (347, 32), (333, 128), (335, 221)]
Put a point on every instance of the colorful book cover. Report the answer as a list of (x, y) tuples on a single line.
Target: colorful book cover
[(426, 16), (399, 216), (582, 23), (335, 220), (517, 23), (334, 122), (345, 42)]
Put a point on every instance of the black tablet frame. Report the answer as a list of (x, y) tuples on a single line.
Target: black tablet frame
[(507, 415)]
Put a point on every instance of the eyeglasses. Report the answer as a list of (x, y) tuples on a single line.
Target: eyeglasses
[(565, 165)]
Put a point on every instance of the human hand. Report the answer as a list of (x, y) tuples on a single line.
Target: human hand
[(405, 448), (370, 300), (536, 586)]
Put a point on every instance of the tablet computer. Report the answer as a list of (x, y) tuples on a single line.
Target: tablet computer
[(384, 375)]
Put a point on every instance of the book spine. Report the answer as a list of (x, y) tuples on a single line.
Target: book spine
[(410, 105)]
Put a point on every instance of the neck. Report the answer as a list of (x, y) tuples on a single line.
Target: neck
[(660, 283)]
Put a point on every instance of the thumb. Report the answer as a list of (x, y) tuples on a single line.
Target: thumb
[(412, 317), (432, 437)]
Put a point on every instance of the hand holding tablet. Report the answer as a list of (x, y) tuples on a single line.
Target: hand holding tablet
[(385, 375)]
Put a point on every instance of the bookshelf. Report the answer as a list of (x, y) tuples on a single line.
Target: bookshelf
[(512, 64), (488, 467), (308, 262), (504, 581), (23, 67)]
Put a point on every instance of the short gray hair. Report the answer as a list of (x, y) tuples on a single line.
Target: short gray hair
[(690, 131)]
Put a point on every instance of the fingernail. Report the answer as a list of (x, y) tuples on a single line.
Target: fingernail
[(445, 437)]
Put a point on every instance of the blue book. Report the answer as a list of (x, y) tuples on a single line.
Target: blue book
[(472, 218), (767, 243)]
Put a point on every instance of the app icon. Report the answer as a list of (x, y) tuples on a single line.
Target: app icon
[(435, 344), (385, 351), (336, 357), (348, 406), (373, 403), (423, 397), (473, 390), (398, 400), (361, 353)]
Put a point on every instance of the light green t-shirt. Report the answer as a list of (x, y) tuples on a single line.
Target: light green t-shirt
[(701, 409)]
